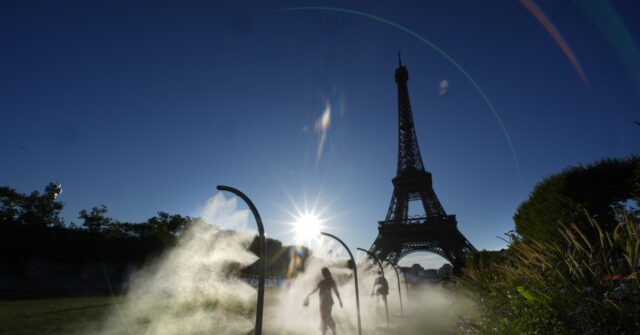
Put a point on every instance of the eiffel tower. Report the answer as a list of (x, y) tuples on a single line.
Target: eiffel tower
[(435, 231)]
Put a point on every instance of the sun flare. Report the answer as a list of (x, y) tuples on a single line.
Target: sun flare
[(307, 227), (307, 219)]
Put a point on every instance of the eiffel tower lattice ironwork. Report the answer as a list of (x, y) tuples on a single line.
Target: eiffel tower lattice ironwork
[(435, 231)]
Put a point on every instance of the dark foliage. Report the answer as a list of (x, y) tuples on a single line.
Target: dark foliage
[(484, 259), (33, 238), (563, 198), (279, 258), (572, 287), (35, 209), (573, 267)]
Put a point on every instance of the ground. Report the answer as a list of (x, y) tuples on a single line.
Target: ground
[(53, 316), (81, 315)]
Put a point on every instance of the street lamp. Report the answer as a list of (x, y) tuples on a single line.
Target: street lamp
[(384, 297), (355, 277), (263, 254)]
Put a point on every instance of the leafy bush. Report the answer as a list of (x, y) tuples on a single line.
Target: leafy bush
[(577, 286), (599, 188)]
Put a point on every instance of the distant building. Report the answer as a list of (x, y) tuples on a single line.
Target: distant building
[(417, 269), (431, 275), (417, 275)]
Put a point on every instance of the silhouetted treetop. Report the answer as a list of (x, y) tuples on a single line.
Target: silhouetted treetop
[(564, 198), (35, 209)]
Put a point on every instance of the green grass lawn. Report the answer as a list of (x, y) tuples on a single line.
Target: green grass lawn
[(54, 316), (81, 315), (86, 315)]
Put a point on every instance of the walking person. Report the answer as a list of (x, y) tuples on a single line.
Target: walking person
[(381, 290), (380, 287), (326, 300)]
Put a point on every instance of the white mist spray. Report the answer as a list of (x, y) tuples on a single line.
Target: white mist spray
[(430, 309), (194, 288)]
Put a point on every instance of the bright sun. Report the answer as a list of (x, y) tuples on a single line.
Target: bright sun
[(307, 220), (307, 227)]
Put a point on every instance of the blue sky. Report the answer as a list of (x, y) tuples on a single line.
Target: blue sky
[(147, 106)]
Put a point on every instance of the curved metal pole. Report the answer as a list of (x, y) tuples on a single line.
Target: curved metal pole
[(355, 277), (375, 259), (406, 284), (263, 254), (384, 297), (399, 291)]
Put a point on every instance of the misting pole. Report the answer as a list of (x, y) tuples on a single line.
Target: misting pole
[(263, 254), (384, 297), (355, 277), (399, 291)]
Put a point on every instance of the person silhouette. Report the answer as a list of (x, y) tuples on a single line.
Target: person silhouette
[(326, 300), (380, 287)]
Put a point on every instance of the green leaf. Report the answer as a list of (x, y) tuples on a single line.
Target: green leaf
[(526, 294)]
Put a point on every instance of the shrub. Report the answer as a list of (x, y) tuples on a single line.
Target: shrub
[(599, 188), (577, 286)]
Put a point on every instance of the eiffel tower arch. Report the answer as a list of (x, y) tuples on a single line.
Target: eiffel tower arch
[(435, 231)]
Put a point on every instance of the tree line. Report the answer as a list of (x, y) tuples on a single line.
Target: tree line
[(32, 231)]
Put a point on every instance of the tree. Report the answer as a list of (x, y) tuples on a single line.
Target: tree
[(565, 198), (35, 209), (160, 231), (167, 223), (10, 205), (96, 220)]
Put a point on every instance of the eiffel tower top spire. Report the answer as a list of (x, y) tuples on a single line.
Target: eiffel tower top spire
[(409, 159)]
